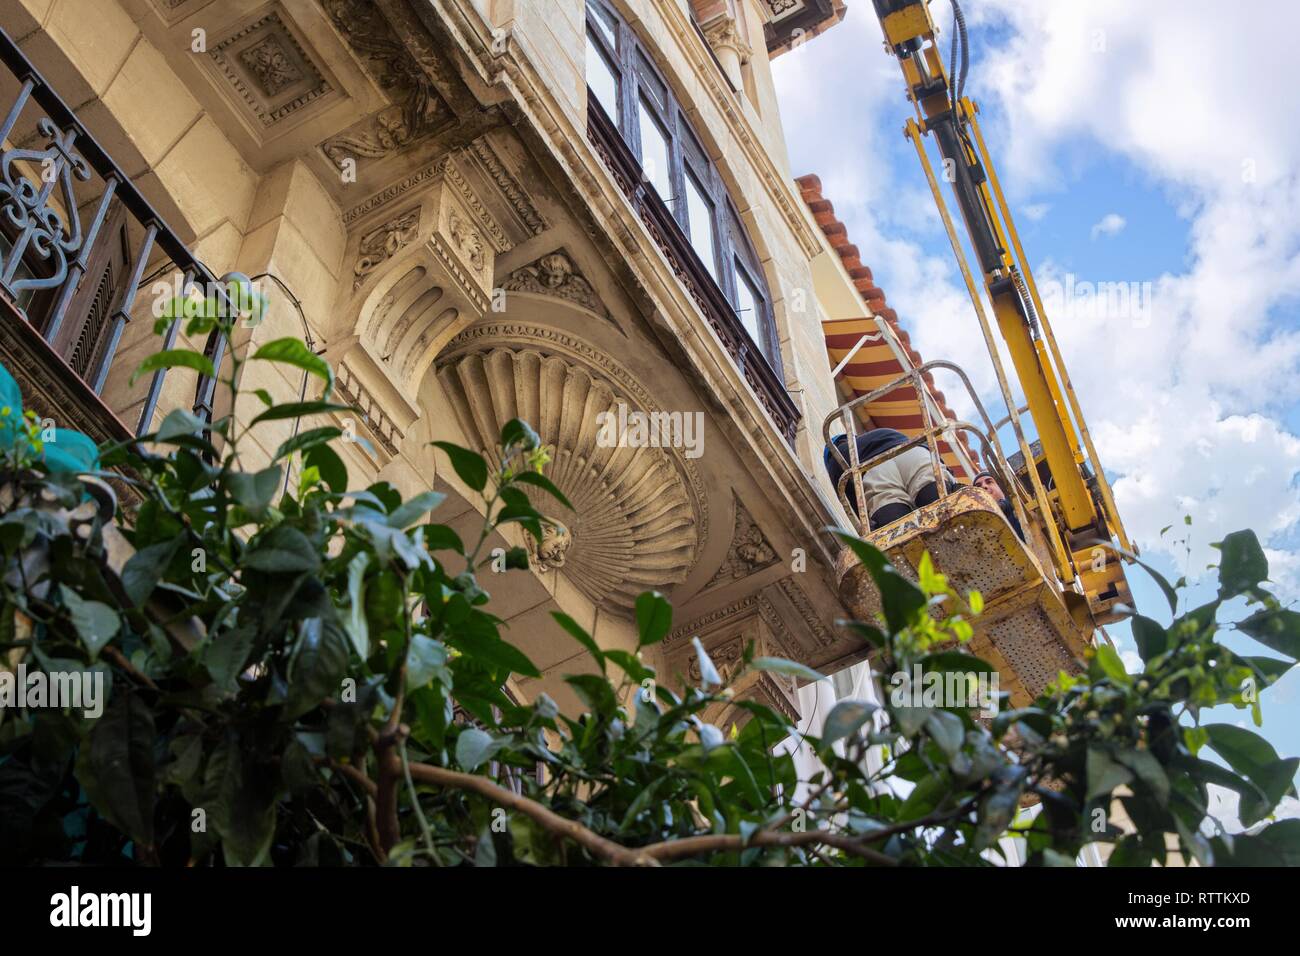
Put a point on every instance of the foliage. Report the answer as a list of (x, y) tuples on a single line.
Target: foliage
[(300, 675)]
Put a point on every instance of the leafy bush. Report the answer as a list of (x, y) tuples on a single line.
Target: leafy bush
[(299, 675)]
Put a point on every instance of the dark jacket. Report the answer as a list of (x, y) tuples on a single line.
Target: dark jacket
[(1010, 513), (870, 444)]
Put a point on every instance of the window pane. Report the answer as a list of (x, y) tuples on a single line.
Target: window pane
[(654, 153), (749, 309), (605, 21), (700, 216), (602, 79)]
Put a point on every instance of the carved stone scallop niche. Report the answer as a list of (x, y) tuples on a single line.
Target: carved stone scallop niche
[(639, 513)]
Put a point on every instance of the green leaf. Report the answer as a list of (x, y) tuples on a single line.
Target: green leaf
[(424, 660), (116, 767), (179, 423), (517, 432), (318, 666), (329, 465), (630, 664), (255, 491), (594, 691), (473, 748), (96, 624), (779, 665), (1254, 758), (298, 410), (1104, 773), (1271, 668), (355, 622), (1278, 629), (1111, 664), (241, 798), (1150, 637), (469, 466), (174, 358), (225, 656), (541, 481), (439, 537), (845, 718), (1148, 770), (142, 571), (414, 509), (1242, 565), (305, 440), (283, 550), (946, 730), (291, 351), (579, 634), (654, 618), (900, 599)]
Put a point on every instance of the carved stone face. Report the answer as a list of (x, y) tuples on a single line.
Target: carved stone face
[(553, 270), (556, 540)]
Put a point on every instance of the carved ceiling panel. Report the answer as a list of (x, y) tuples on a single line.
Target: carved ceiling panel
[(267, 72)]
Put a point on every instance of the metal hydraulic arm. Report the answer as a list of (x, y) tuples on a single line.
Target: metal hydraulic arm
[(1080, 499)]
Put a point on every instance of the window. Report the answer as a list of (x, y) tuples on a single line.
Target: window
[(655, 160), (601, 78), (699, 216), (637, 100)]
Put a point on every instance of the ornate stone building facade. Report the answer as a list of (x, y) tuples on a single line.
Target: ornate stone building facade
[(476, 210)]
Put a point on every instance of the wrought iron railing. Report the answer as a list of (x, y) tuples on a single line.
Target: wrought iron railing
[(76, 236), (677, 248)]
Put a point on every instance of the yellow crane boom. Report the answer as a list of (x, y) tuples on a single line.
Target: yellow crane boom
[(1074, 486)]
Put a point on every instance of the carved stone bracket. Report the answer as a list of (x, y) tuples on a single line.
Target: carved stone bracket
[(724, 634), (425, 272), (556, 275), (749, 551)]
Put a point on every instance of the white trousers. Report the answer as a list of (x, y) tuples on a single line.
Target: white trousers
[(898, 480)]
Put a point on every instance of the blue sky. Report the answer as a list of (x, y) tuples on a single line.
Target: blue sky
[(1135, 146)]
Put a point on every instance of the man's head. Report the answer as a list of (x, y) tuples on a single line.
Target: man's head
[(989, 482)]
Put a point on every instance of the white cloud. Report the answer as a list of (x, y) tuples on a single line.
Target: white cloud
[(1111, 224), (1036, 211)]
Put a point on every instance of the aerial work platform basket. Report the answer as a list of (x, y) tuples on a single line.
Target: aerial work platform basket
[(1033, 626)]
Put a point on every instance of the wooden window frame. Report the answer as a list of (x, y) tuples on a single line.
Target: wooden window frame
[(634, 70)]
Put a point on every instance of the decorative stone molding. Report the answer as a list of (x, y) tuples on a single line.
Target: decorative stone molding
[(749, 551), (811, 619), (482, 180), (555, 274), (633, 525), (267, 71), (381, 244), (509, 188), (418, 110), (724, 634), (353, 392), (724, 34)]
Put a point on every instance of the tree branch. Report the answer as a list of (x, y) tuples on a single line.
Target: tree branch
[(569, 829)]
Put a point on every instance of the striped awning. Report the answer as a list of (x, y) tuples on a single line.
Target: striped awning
[(874, 365)]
